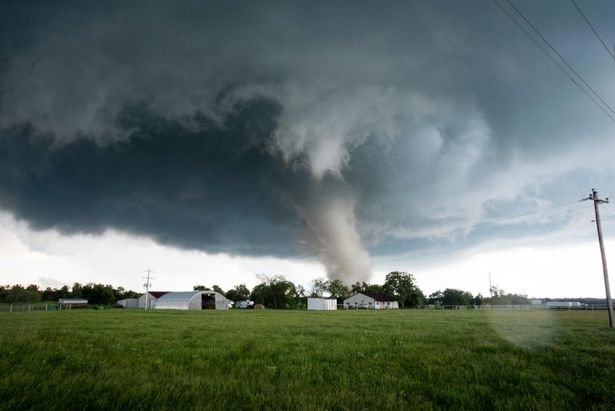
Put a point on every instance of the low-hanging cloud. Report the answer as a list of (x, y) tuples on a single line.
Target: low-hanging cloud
[(282, 128)]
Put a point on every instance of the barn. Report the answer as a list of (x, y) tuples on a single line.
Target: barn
[(323, 304), (373, 301), (192, 300)]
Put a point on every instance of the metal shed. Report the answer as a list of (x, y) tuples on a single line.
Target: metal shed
[(70, 302), (192, 300), (325, 304), (152, 296)]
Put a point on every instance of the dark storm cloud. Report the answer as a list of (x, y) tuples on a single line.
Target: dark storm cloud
[(189, 182), (280, 127)]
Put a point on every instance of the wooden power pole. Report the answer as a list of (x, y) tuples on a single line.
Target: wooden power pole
[(594, 197), (147, 285)]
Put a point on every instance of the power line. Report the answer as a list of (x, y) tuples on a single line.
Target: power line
[(558, 64), (559, 55), (608, 50), (526, 214)]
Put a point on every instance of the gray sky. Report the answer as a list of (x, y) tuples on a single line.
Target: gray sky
[(342, 139)]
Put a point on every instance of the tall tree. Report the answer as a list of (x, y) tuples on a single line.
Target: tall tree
[(338, 290), (275, 292), (363, 287), (238, 293), (403, 286), (201, 288), (320, 287)]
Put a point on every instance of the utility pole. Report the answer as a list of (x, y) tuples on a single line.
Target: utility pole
[(594, 197), (490, 286), (147, 285)]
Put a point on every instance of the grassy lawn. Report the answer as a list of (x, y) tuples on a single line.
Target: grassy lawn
[(124, 359)]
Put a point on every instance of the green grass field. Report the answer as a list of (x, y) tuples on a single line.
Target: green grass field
[(123, 359)]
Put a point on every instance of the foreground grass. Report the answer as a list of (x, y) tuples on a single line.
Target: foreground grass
[(125, 359)]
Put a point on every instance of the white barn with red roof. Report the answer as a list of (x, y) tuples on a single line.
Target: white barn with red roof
[(374, 301)]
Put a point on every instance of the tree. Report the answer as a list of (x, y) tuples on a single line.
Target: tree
[(19, 294), (363, 287), (503, 298), (338, 290), (275, 292), (320, 286), (403, 286), (218, 289), (238, 293), (201, 288), (75, 292), (478, 300), (452, 296), (98, 294)]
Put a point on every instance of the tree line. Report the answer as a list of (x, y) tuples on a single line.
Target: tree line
[(277, 292), (96, 294)]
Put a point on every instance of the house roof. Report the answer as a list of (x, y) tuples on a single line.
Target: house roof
[(380, 296)]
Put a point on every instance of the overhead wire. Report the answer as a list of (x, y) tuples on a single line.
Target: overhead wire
[(611, 114), (498, 220), (591, 26), (559, 55)]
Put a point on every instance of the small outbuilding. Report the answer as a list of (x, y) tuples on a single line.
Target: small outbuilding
[(373, 301), (192, 300), (129, 303), (323, 304), (68, 303)]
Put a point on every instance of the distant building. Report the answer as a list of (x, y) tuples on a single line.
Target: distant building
[(374, 301), (129, 303), (191, 300), (323, 304), (245, 304), (151, 299), (569, 305), (68, 303)]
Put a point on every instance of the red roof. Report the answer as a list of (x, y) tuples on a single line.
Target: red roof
[(380, 296)]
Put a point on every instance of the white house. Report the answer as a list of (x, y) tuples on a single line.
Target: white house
[(374, 301), (326, 304), (192, 300)]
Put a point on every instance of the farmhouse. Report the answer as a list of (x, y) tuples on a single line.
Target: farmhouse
[(191, 300), (375, 301), (325, 304)]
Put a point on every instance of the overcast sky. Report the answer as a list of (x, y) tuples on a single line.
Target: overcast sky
[(212, 141)]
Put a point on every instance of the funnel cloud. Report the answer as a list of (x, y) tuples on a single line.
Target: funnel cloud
[(342, 131)]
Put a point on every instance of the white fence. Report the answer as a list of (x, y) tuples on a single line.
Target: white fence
[(590, 307), (28, 307)]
